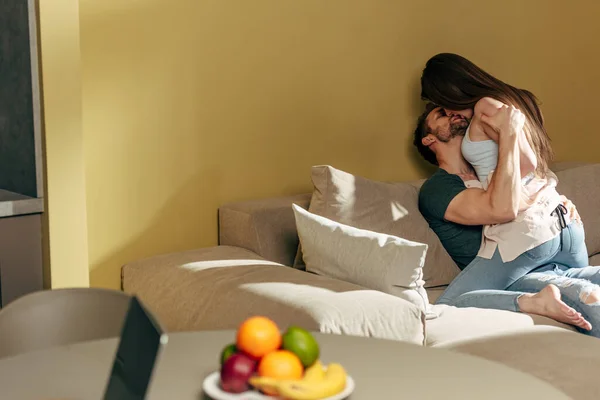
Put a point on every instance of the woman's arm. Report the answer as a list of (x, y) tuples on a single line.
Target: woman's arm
[(500, 202), (489, 107)]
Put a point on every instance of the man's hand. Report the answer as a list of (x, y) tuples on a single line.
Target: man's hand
[(508, 120), (488, 107), (573, 213)]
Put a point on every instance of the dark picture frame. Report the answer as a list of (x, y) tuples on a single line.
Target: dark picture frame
[(21, 148)]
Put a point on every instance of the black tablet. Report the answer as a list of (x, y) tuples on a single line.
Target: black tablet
[(141, 341)]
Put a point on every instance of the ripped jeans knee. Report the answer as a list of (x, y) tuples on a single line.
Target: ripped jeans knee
[(590, 295)]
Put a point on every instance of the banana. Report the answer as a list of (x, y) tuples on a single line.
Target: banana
[(333, 383), (317, 383), (314, 373), (264, 383)]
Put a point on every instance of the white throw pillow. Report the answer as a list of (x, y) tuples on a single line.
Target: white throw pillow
[(373, 260)]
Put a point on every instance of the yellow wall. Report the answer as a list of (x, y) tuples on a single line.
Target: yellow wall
[(188, 104), (65, 228)]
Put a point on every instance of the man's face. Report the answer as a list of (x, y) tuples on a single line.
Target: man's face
[(446, 124)]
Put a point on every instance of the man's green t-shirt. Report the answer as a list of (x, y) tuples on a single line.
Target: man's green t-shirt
[(462, 242)]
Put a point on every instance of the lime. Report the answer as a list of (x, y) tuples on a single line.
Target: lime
[(227, 352), (300, 342)]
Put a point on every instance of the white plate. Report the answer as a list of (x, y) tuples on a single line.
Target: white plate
[(213, 389)]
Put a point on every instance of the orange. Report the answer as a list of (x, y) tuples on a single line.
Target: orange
[(258, 336), (280, 364)]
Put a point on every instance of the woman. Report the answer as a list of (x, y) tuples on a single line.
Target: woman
[(547, 228)]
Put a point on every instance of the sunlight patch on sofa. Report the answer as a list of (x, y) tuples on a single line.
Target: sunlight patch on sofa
[(202, 265), (354, 312), (319, 300), (398, 211), (347, 204), (315, 299)]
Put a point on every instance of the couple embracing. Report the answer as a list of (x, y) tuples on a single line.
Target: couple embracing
[(493, 200)]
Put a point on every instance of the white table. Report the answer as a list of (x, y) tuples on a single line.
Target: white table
[(381, 369)]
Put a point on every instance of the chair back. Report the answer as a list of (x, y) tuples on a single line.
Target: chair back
[(59, 317)]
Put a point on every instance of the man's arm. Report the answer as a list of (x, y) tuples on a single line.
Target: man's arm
[(500, 202), (489, 107)]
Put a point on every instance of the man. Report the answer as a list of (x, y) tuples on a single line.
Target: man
[(456, 207)]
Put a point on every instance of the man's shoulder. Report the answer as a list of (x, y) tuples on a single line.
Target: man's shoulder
[(437, 192), (438, 179)]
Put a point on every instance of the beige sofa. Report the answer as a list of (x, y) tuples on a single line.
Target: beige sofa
[(249, 273)]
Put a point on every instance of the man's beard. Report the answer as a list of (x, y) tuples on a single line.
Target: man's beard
[(456, 129), (459, 128)]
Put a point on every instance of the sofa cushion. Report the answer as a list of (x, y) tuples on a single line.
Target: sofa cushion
[(380, 207), (458, 324), (219, 287), (567, 360), (374, 260), (582, 186)]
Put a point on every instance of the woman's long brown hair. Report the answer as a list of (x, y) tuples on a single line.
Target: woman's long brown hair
[(453, 82)]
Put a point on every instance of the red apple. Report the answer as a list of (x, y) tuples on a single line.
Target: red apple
[(236, 371)]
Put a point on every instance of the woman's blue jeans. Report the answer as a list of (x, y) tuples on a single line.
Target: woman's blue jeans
[(562, 261)]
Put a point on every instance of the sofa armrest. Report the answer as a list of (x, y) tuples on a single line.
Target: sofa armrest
[(265, 226), (219, 287)]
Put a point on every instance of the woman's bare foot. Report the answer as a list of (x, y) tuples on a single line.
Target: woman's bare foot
[(548, 303)]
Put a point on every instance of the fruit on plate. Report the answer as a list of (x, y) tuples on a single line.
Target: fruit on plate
[(236, 371), (311, 387), (285, 365), (300, 342), (258, 336), (227, 352)]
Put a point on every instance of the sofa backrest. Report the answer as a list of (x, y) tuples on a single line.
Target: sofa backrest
[(268, 228)]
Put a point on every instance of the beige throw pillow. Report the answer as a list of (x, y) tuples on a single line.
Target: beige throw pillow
[(390, 208), (373, 260)]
